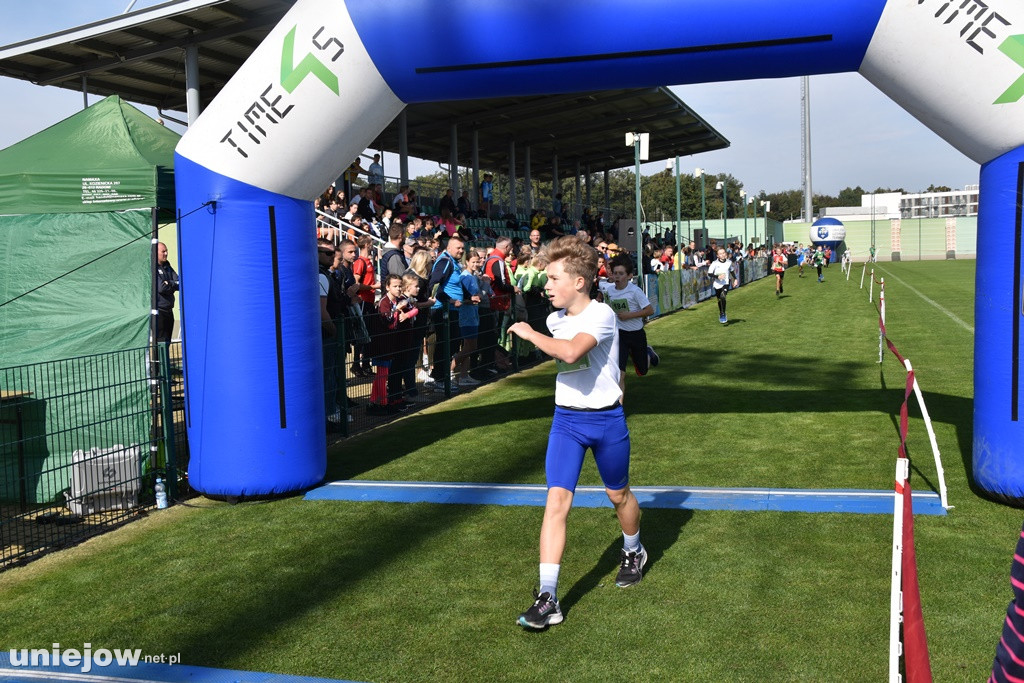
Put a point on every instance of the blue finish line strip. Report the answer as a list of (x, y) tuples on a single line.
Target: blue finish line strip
[(665, 497)]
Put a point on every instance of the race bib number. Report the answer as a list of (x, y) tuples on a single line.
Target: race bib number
[(619, 305), (581, 364)]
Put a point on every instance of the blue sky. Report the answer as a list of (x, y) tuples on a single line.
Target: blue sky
[(858, 136)]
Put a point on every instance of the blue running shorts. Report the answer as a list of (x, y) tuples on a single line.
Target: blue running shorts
[(573, 432)]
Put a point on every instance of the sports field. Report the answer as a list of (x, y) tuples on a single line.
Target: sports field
[(788, 395)]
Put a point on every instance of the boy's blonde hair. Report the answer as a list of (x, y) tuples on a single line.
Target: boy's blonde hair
[(578, 259)]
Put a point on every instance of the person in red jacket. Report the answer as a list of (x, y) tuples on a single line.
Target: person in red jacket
[(363, 271)]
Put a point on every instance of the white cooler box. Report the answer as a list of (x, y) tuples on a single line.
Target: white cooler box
[(104, 479)]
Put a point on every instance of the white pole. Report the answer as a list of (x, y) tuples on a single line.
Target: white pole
[(881, 305), (871, 287), (895, 591), (931, 438), (862, 274), (849, 269)]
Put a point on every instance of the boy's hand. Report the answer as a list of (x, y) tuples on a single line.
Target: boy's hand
[(623, 315), (521, 329)]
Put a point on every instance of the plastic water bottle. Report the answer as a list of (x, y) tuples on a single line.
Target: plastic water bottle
[(161, 494)]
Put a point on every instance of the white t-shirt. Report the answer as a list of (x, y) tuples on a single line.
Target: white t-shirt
[(631, 298), (592, 382), (720, 270)]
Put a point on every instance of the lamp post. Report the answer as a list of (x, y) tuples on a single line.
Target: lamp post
[(679, 211), (699, 173), (725, 211), (743, 198), (767, 206)]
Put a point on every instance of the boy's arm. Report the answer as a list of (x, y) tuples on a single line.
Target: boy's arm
[(566, 350), (642, 313)]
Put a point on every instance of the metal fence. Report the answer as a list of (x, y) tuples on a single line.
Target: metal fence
[(82, 441)]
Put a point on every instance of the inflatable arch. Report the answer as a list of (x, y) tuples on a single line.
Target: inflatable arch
[(328, 79)]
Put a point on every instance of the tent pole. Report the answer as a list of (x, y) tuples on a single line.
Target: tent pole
[(85, 92)]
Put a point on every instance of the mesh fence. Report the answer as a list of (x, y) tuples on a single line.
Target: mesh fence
[(82, 441)]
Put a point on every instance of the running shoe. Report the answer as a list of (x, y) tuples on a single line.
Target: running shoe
[(653, 355), (722, 319), (545, 612), (631, 568)]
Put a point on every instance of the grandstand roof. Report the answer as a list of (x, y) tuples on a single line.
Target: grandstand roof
[(140, 56)]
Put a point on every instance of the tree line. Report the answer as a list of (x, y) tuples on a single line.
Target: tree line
[(658, 195)]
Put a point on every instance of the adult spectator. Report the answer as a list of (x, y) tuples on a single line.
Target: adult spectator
[(535, 240), (446, 278), (486, 195), (332, 307), (166, 285), (464, 207), (503, 289), (375, 173), (366, 207), (400, 203), (556, 205), (583, 236), (350, 176), (393, 261), (447, 203), (365, 277)]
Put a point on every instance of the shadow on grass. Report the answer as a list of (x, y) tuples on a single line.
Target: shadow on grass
[(659, 530)]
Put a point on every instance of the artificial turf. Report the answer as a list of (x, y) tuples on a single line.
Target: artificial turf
[(789, 394)]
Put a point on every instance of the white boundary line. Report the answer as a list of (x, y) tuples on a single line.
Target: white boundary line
[(955, 319)]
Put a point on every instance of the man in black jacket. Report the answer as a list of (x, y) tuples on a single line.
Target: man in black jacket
[(166, 285)]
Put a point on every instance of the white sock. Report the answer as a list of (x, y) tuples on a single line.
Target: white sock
[(549, 578), (631, 544)]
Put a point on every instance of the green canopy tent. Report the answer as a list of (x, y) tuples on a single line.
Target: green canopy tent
[(79, 202)]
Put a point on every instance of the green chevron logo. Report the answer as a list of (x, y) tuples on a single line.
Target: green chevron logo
[(1013, 47), (291, 75)]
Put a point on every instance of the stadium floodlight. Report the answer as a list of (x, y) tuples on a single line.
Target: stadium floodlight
[(720, 185)]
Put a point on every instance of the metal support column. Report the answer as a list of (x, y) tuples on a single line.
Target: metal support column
[(577, 199), (403, 149), (453, 159), (512, 177), (555, 183), (527, 180), (192, 82), (474, 194), (608, 199)]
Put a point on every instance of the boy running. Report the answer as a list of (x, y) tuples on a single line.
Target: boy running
[(588, 414), (631, 306), (819, 260), (719, 270)]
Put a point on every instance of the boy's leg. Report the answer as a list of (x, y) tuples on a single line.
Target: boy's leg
[(552, 529), (627, 509)]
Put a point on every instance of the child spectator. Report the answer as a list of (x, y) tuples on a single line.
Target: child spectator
[(411, 339), (469, 318), (387, 343)]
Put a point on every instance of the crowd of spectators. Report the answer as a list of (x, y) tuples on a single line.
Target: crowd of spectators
[(413, 304)]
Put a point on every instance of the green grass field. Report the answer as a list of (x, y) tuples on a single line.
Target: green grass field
[(788, 395)]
